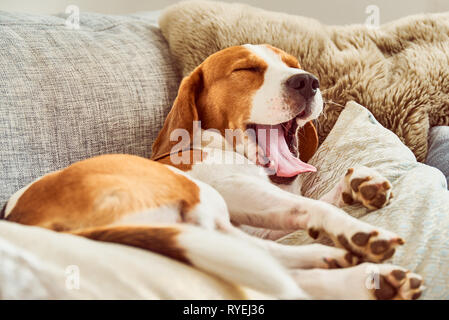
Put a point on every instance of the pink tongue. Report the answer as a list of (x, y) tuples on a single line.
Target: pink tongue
[(276, 149)]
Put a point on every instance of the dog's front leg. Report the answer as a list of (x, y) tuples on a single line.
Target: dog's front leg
[(294, 257), (360, 185), (256, 202)]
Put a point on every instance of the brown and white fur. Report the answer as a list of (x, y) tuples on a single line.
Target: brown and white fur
[(204, 210)]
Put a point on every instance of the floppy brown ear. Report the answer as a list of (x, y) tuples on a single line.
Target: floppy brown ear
[(308, 141), (182, 114)]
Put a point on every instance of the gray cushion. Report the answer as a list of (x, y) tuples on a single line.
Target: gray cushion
[(438, 155), (66, 95)]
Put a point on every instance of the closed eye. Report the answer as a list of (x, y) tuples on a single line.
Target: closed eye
[(250, 69)]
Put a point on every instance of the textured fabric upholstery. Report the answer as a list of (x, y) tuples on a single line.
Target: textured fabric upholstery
[(68, 94), (438, 155)]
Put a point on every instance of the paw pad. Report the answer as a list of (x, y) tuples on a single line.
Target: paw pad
[(398, 274), (356, 182), (332, 263), (386, 291), (398, 284), (361, 238), (342, 262), (314, 233), (367, 245), (366, 186), (379, 246), (347, 198), (415, 283)]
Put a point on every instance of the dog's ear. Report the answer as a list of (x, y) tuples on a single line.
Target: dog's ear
[(182, 115), (308, 141)]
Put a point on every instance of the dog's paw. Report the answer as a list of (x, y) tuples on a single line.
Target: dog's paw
[(389, 282), (372, 244), (366, 281), (366, 186), (342, 261)]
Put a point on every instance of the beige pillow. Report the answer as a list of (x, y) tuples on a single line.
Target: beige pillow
[(419, 211)]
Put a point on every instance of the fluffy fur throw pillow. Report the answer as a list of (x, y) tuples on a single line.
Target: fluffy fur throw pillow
[(399, 71)]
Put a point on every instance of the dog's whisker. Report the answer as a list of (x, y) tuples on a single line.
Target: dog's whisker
[(324, 116), (332, 102), (286, 129)]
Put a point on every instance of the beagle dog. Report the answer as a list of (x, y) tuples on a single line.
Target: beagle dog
[(223, 183)]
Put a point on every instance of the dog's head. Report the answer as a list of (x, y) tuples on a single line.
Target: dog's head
[(256, 87)]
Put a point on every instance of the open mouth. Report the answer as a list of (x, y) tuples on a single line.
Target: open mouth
[(279, 143)]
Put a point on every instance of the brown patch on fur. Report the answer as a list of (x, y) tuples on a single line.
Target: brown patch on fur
[(281, 180), (415, 283), (379, 201), (58, 227), (332, 263), (162, 240), (379, 246), (386, 291), (356, 182), (347, 198), (288, 59), (386, 185), (308, 141), (361, 238), (349, 257), (314, 233), (389, 254), (191, 157), (345, 243), (398, 274), (369, 192), (2, 213), (416, 295), (100, 191), (218, 92)]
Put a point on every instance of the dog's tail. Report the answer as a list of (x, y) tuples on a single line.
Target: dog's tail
[(226, 257)]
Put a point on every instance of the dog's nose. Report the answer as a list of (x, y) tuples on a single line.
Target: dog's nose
[(305, 83)]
